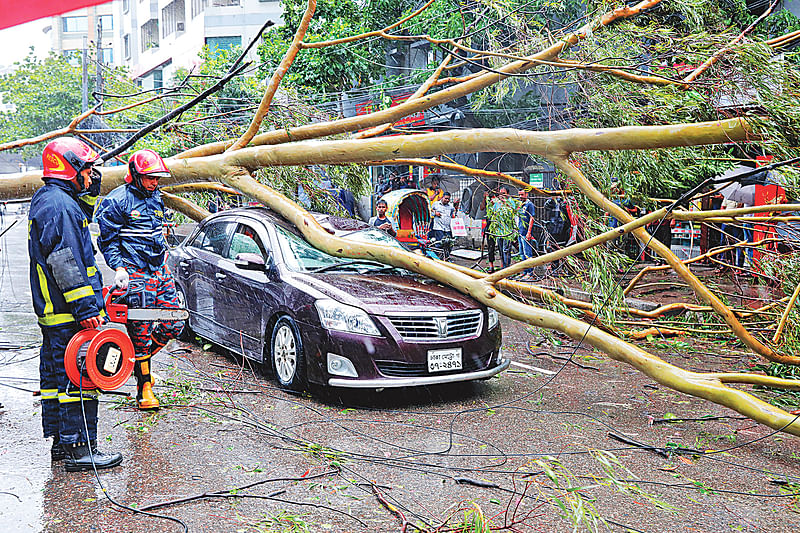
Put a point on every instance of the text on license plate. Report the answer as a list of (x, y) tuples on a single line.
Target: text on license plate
[(444, 360)]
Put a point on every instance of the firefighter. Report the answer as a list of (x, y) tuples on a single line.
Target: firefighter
[(66, 289), (132, 241)]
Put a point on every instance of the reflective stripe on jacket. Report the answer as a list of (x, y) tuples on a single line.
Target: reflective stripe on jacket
[(131, 231), (65, 283)]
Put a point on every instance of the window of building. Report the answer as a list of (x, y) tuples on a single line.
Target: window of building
[(150, 34), (75, 24), (224, 3), (108, 56), (126, 45), (173, 17), (158, 79), (198, 6), (107, 22), (73, 56), (223, 43)]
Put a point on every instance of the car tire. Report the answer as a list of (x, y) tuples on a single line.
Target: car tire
[(186, 334), (286, 355)]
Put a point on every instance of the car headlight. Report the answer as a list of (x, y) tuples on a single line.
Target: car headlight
[(340, 317), (493, 317)]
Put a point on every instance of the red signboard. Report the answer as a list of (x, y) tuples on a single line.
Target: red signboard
[(415, 119)]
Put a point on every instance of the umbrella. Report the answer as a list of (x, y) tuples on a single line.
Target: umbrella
[(743, 191), (740, 194)]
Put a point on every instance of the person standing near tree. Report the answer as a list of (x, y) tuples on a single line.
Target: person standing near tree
[(382, 221), (434, 191), (526, 216), (131, 220), (501, 213), (67, 296), (443, 212)]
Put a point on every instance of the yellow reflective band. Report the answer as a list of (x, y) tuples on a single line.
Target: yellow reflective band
[(56, 320), (77, 294), (67, 397), (86, 221), (91, 271), (49, 394), (91, 200), (63, 397), (48, 303)]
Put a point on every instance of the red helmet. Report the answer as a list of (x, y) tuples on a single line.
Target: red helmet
[(145, 163), (65, 157)]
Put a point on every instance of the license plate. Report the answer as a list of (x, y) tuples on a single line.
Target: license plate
[(444, 360)]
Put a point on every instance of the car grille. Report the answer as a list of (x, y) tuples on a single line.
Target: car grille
[(450, 326), (401, 369)]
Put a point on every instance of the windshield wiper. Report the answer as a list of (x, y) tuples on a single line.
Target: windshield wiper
[(343, 265)]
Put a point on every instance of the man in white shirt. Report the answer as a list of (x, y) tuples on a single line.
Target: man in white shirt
[(443, 211)]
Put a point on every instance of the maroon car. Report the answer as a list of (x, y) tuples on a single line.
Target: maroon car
[(253, 285)]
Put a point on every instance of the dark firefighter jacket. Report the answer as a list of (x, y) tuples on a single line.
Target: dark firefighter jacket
[(131, 229), (65, 283)]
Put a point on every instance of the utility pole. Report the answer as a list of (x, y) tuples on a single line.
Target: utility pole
[(85, 78), (98, 82)]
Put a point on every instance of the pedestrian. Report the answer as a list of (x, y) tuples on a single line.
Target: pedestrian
[(443, 212), (67, 296), (382, 221), (132, 241), (527, 214), (434, 191), (388, 184), (501, 213), (487, 237)]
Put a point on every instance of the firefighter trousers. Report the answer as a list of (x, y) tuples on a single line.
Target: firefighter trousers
[(62, 414)]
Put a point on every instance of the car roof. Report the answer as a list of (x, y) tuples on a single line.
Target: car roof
[(336, 224)]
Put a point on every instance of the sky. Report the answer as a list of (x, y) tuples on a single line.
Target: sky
[(15, 41)]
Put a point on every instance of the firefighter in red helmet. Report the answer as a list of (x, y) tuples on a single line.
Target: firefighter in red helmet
[(67, 297), (131, 220)]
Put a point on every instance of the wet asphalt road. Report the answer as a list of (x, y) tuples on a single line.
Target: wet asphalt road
[(364, 461)]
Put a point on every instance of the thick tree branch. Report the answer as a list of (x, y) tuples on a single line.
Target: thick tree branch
[(275, 81)]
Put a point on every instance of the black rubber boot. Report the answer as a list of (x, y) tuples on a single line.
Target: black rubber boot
[(78, 458), (57, 452)]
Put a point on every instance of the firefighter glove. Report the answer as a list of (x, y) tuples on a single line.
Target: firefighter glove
[(121, 278)]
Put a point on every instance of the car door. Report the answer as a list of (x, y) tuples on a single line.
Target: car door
[(183, 269), (209, 296), (254, 291)]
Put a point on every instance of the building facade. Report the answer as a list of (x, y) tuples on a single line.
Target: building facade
[(71, 32), (153, 38)]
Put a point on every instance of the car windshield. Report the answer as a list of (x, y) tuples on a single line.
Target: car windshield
[(373, 235), (300, 256)]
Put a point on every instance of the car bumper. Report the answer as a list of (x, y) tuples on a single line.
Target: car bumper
[(387, 382)]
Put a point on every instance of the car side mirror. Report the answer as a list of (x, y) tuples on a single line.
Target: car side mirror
[(250, 261)]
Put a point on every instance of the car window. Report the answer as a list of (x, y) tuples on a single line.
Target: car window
[(299, 255), (214, 237), (245, 240)]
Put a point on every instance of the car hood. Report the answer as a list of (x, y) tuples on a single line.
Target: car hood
[(381, 294)]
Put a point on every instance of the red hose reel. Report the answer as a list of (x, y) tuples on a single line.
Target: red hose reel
[(101, 359)]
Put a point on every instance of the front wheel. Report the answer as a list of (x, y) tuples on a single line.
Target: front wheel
[(286, 350), (186, 332)]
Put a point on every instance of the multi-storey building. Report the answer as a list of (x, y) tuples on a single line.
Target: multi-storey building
[(73, 31), (155, 37)]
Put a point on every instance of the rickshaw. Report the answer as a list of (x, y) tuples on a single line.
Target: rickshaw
[(411, 211)]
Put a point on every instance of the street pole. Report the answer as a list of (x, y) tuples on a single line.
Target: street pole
[(98, 82), (85, 78)]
